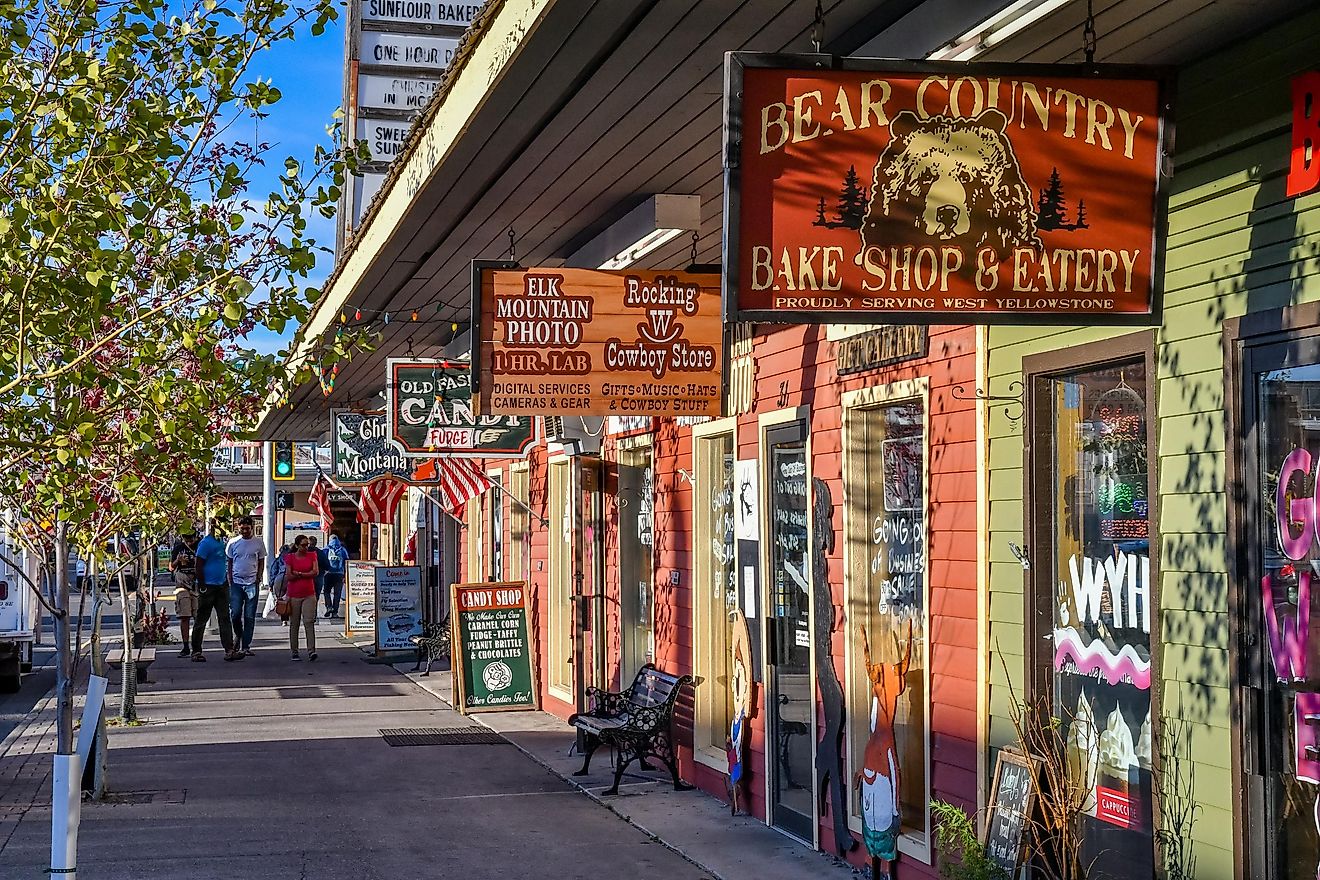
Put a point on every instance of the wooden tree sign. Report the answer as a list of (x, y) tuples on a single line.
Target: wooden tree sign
[(1012, 804)]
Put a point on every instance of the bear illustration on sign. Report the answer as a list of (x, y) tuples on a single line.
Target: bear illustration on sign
[(944, 180)]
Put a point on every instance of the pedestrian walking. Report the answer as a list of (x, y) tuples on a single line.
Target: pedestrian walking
[(183, 562), (246, 564), (213, 595), (300, 582), (323, 565), (337, 556)]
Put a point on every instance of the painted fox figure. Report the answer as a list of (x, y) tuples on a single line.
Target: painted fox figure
[(878, 779)]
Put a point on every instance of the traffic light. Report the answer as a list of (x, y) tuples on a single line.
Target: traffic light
[(284, 501), (283, 469)]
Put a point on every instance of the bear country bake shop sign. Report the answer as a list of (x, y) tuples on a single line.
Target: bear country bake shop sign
[(430, 412), (589, 342), (917, 192)]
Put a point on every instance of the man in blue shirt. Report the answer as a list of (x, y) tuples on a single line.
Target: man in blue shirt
[(337, 556), (213, 594)]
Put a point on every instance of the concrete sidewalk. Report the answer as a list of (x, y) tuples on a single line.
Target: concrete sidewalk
[(690, 822), (267, 768)]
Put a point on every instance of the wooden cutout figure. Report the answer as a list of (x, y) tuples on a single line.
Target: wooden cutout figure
[(829, 750), (878, 779), (741, 702)]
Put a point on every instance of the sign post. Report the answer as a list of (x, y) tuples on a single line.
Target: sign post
[(398, 607), (494, 669)]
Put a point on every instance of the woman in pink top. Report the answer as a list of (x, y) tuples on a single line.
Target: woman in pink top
[(300, 581)]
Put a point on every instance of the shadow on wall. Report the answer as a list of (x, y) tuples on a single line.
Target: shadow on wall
[(1194, 594)]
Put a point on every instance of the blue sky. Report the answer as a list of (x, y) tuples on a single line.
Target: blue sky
[(309, 72)]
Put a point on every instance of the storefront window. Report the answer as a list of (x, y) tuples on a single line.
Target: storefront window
[(885, 522), (560, 643), (1287, 560), (494, 502), (714, 591), (636, 541), (1101, 589), (520, 524)]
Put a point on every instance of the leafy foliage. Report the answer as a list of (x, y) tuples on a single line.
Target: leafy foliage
[(961, 855)]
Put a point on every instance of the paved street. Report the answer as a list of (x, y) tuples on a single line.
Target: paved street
[(268, 768)]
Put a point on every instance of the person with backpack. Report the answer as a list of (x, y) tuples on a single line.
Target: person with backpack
[(337, 556)]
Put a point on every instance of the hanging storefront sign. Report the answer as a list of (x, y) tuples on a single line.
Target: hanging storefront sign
[(362, 451), (914, 192), (1304, 167), (398, 607), (391, 49), (588, 342), (492, 649), (429, 405), (420, 12)]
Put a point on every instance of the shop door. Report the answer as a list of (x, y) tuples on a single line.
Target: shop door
[(635, 498), (791, 683), (1280, 672), (590, 619)]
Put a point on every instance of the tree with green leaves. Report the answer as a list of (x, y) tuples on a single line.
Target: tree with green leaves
[(137, 255)]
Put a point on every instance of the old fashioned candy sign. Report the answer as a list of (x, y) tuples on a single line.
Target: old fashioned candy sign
[(588, 342), (429, 408), (926, 192)]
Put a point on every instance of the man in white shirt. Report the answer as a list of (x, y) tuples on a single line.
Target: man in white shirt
[(246, 560)]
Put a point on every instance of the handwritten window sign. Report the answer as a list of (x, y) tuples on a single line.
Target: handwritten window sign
[(1011, 810), (429, 406), (421, 12), (492, 652), (389, 49), (989, 192), (378, 91), (588, 342), (398, 607)]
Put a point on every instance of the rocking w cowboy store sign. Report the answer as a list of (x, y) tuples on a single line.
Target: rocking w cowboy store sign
[(908, 191)]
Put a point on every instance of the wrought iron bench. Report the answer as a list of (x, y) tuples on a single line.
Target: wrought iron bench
[(432, 644), (635, 723)]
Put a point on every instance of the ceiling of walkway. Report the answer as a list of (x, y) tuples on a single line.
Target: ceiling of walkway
[(614, 100)]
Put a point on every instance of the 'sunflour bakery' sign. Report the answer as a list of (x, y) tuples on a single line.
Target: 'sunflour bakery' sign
[(916, 192), (420, 12), (588, 342)]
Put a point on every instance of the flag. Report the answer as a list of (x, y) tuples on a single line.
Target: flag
[(380, 500), (320, 502), (460, 482)]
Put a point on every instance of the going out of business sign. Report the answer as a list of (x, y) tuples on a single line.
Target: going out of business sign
[(919, 192), (430, 411)]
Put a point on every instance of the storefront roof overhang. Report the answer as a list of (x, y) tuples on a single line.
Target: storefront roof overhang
[(560, 116)]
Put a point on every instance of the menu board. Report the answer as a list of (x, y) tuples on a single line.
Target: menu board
[(360, 582), (492, 650), (1011, 803), (398, 607)]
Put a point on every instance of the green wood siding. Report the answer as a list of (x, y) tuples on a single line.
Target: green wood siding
[(1235, 244)]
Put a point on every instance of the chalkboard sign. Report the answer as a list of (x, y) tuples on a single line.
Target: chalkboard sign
[(1012, 802), (494, 669)]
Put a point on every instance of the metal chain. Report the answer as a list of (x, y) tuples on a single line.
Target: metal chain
[(695, 236), (513, 254), (818, 28), (1088, 33)]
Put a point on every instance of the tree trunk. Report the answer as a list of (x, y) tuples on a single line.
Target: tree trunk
[(99, 752), (128, 669)]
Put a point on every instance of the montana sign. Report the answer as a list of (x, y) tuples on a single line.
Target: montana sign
[(588, 342), (430, 413), (363, 451), (910, 192)]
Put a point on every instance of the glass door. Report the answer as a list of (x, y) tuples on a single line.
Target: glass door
[(1280, 673), (791, 694), (636, 496)]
